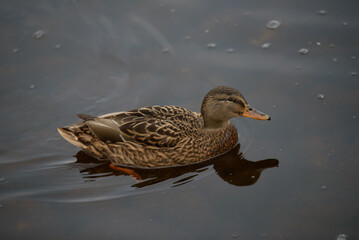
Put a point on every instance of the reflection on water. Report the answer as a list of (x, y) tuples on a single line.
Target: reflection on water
[(232, 167), (100, 182)]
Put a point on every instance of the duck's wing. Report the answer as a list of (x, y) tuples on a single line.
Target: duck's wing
[(160, 126)]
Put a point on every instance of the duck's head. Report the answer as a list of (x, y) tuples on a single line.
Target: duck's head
[(222, 103)]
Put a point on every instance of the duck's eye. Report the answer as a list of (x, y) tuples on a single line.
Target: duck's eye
[(230, 99)]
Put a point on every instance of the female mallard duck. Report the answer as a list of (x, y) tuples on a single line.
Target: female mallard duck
[(163, 136)]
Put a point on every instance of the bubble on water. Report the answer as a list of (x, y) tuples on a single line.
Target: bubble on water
[(211, 45), (39, 34), (296, 83), (274, 106), (235, 24), (235, 235), (303, 51), (273, 24), (173, 10), (32, 86), (318, 43), (323, 187), (345, 24), (332, 45), (298, 67), (354, 117), (322, 12), (353, 74), (266, 45), (15, 50), (57, 46), (335, 59), (187, 37), (2, 179), (280, 150), (353, 57), (1, 206), (342, 236), (206, 31), (165, 50), (320, 96), (230, 50)]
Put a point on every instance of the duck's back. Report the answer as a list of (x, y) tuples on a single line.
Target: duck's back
[(159, 126)]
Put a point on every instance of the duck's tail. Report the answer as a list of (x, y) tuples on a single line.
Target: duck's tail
[(81, 136), (69, 135)]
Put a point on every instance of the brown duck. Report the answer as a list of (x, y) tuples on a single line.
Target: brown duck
[(163, 136)]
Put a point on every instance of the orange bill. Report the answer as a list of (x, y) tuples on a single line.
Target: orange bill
[(255, 114)]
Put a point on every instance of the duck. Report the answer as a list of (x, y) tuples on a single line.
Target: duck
[(163, 136)]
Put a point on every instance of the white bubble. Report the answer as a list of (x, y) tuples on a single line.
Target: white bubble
[(273, 24), (320, 96), (341, 236), (230, 50), (39, 34), (266, 45), (211, 45), (303, 51)]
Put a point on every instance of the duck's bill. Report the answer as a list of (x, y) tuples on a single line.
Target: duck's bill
[(255, 114)]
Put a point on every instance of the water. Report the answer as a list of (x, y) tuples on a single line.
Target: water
[(111, 58)]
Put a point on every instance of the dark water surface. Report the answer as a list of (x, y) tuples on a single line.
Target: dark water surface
[(97, 57)]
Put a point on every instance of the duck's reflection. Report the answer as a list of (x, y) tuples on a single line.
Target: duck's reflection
[(232, 167)]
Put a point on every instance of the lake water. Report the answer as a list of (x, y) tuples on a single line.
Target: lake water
[(59, 58)]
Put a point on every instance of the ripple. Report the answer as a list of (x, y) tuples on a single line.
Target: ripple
[(54, 178), (245, 133)]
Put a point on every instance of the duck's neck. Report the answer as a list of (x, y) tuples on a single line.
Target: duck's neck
[(212, 124)]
